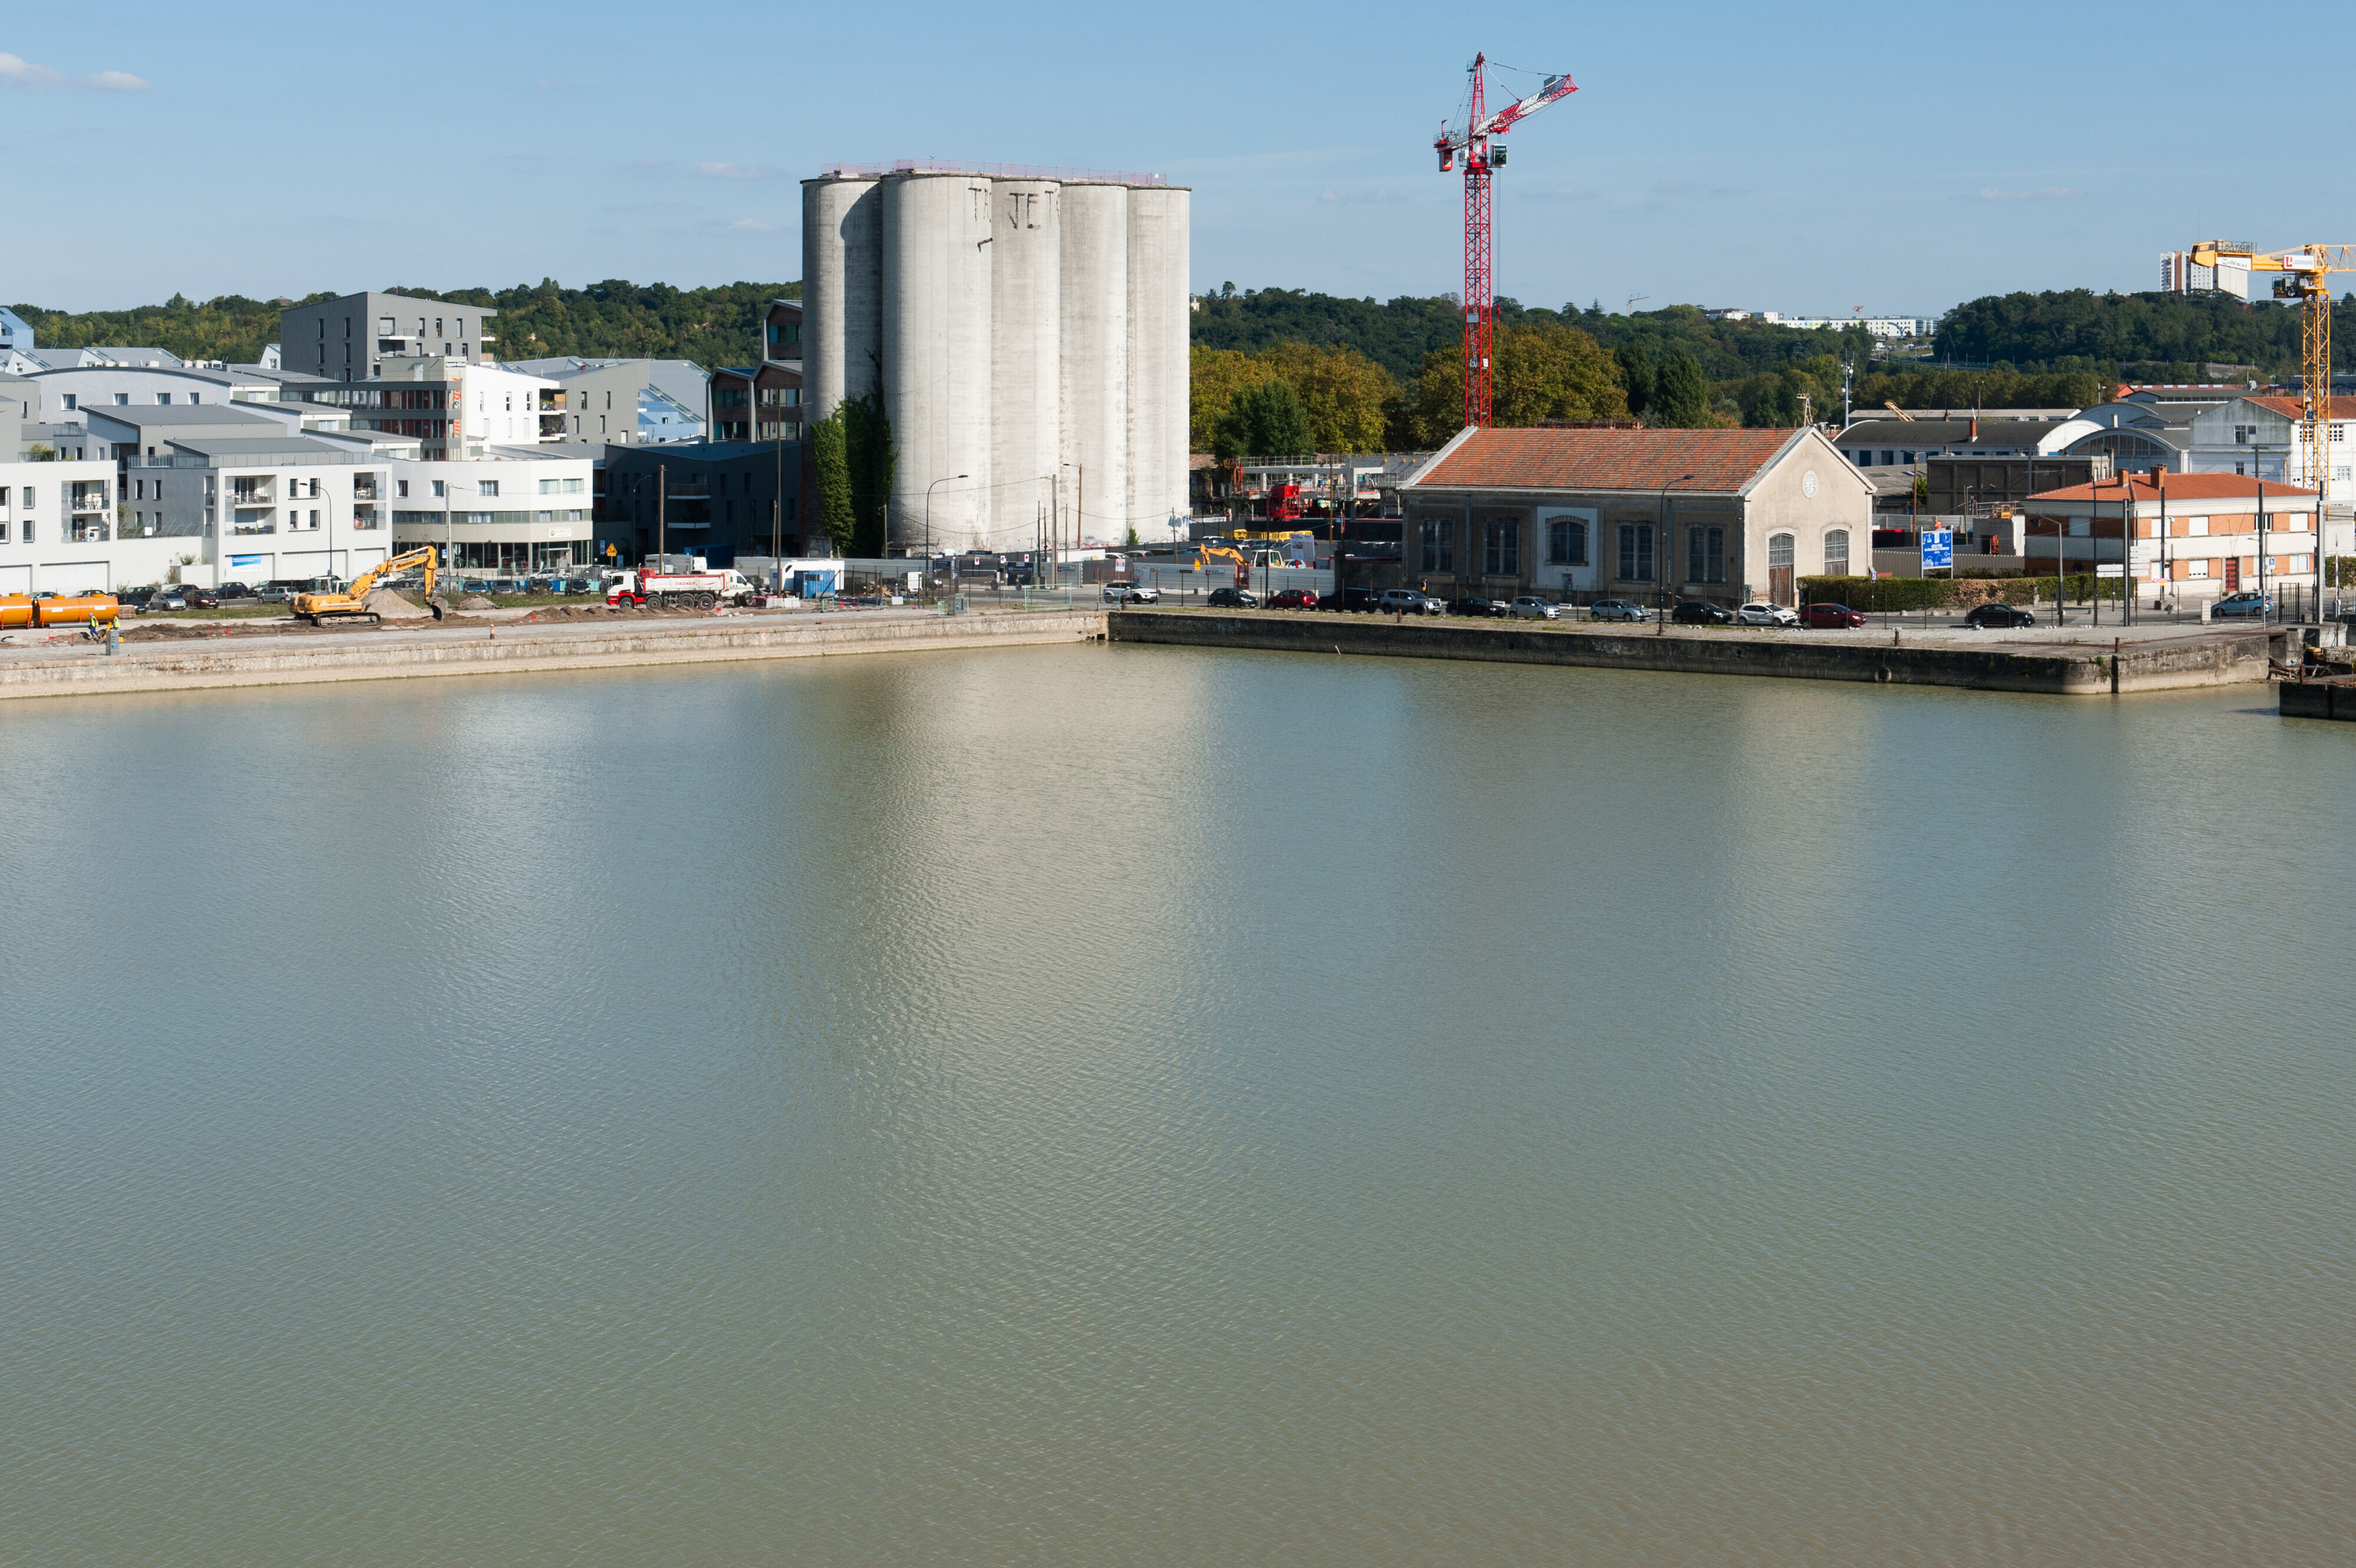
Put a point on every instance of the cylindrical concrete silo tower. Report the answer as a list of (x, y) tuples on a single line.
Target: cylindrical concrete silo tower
[(937, 337), (1094, 352), (1159, 265), (842, 289), (1026, 368)]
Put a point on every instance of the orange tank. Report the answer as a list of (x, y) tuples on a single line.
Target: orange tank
[(77, 610), (15, 610)]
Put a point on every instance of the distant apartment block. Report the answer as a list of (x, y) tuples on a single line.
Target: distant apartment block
[(349, 339), (625, 402)]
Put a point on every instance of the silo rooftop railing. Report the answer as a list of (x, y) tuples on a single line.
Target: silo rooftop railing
[(992, 171)]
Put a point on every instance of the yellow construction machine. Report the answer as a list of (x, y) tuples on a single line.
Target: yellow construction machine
[(352, 605), (2303, 275), (1204, 551)]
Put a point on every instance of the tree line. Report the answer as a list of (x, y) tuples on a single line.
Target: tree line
[(721, 325)]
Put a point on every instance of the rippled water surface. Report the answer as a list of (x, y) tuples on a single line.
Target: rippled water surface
[(1127, 1105)]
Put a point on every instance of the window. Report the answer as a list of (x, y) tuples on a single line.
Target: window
[(487, 488), (1779, 551), (1435, 537), (437, 487), (1836, 554), (1887, 458), (123, 400), (71, 401), (1909, 459), (1501, 553), (1705, 554), (1635, 551), (1567, 542), (163, 399), (384, 326), (400, 488)]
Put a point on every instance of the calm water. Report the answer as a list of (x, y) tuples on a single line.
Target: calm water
[(1134, 1106)]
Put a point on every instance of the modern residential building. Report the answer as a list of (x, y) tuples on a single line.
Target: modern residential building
[(58, 536), (781, 333), (2264, 435), (757, 403), (625, 402), (351, 338), (513, 510), (457, 408), (1725, 515), (718, 499), (2193, 535), (16, 335), (67, 390)]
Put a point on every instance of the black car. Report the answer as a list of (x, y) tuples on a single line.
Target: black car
[(1473, 605), (1701, 612), (1998, 617), (232, 591), (1233, 599)]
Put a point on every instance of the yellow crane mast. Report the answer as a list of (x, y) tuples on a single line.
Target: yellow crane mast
[(2302, 274)]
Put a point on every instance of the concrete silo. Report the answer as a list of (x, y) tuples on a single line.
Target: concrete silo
[(1094, 355), (936, 353), (1159, 381), (1026, 370), (843, 288)]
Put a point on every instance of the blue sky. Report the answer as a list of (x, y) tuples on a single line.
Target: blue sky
[(1794, 158)]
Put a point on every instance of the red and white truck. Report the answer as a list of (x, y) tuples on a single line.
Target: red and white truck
[(679, 590)]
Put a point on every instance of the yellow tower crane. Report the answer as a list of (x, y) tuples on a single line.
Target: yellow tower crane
[(2302, 274)]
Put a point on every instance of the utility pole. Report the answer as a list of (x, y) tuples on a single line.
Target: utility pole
[(660, 565)]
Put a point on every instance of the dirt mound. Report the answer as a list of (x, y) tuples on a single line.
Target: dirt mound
[(392, 607), (476, 602)]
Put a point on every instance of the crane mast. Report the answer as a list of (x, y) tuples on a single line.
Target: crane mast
[(1480, 159)]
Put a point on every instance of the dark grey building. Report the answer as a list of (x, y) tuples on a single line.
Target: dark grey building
[(348, 340), (720, 499)]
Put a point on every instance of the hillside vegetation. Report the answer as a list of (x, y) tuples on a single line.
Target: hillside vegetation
[(715, 325)]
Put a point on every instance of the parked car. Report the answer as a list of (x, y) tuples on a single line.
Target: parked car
[(1701, 612), (1759, 612), (1995, 617), (2248, 602), (229, 591), (1233, 599), (166, 598), (1293, 599), (135, 599), (273, 594), (1529, 607), (1349, 599), (1406, 601), (1830, 616), (1473, 605), (1130, 594), (1617, 609)]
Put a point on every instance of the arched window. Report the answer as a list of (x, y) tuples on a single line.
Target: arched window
[(1836, 553), (1779, 569)]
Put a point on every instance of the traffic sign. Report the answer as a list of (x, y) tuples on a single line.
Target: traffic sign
[(2110, 571), (1938, 548)]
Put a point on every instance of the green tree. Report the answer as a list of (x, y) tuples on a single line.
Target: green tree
[(870, 460), (1543, 371), (1343, 393), (832, 463), (1681, 399), (1264, 421), (1635, 374)]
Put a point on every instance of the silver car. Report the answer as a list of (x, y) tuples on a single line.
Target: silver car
[(1406, 601), (1760, 613), (1528, 606), (1618, 610)]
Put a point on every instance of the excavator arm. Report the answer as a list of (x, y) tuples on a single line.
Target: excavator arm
[(354, 601)]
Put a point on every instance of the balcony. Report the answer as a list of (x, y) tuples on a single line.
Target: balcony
[(551, 425), (94, 500)]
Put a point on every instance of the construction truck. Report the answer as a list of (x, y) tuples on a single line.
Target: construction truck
[(679, 590), (352, 604), (73, 609)]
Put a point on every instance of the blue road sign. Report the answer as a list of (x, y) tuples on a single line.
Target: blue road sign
[(1938, 547)]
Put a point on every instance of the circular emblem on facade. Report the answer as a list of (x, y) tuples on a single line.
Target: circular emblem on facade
[(1808, 484)]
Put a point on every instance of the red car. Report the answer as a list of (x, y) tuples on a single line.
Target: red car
[(1830, 615), (1293, 599)]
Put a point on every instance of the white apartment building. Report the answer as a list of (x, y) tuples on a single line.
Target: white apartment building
[(2192, 535), (508, 512), (2266, 438), (455, 409), (58, 533)]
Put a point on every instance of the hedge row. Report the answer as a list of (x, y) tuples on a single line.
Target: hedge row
[(1895, 594)]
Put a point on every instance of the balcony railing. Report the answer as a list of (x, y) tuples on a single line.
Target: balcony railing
[(245, 527), (96, 503)]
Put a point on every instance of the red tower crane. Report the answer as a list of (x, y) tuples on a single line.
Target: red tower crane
[(1480, 159)]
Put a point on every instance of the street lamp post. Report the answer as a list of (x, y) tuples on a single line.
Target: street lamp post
[(929, 522)]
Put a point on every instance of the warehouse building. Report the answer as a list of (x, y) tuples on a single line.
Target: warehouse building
[(1027, 330)]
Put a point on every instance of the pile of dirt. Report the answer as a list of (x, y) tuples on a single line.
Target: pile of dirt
[(477, 602), (392, 607)]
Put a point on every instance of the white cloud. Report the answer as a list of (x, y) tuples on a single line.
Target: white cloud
[(15, 72), (2048, 193), (751, 226), (733, 171)]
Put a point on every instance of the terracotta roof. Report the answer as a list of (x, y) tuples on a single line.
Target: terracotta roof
[(2180, 487), (1541, 459), (2341, 407)]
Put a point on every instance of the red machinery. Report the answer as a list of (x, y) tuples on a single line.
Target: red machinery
[(1472, 140)]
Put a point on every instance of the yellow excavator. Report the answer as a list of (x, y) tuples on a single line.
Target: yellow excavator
[(352, 604), (1205, 550)]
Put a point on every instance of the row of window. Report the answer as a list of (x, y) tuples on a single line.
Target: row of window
[(123, 400), (1568, 545)]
